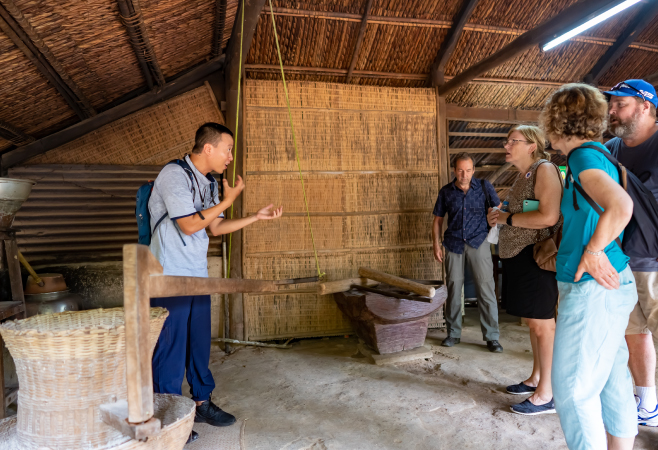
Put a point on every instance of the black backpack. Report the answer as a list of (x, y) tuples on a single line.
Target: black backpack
[(641, 233)]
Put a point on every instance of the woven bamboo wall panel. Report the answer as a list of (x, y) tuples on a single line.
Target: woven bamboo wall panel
[(389, 230), (152, 136), (294, 315), (338, 193), (341, 140)]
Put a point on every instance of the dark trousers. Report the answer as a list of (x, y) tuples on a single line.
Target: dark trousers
[(184, 346)]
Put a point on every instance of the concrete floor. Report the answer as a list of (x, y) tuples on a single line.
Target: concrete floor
[(322, 394)]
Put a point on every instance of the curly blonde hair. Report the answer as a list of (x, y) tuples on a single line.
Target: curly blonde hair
[(533, 135), (575, 110)]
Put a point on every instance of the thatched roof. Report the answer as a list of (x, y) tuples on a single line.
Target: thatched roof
[(89, 47)]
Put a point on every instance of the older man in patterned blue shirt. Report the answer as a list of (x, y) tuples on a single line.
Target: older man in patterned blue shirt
[(466, 201)]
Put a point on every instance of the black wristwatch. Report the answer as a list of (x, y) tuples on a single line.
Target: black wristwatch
[(509, 220)]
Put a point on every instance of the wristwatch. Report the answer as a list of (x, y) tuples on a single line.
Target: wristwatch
[(509, 220)]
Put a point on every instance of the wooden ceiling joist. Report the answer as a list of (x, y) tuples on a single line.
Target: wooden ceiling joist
[(189, 80), (218, 28), (644, 17), (565, 20), (359, 41), (494, 115), (29, 42), (131, 16), (431, 23), (14, 135), (437, 72)]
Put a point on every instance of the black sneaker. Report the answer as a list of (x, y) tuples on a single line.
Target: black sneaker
[(193, 437), (520, 389), (450, 341), (494, 347), (527, 408), (209, 413)]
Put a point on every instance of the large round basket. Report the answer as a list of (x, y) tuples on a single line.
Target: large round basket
[(68, 364), (175, 413)]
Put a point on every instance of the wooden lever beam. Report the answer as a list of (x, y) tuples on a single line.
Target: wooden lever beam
[(416, 298), (411, 286)]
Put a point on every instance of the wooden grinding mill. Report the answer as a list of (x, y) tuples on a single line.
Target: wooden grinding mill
[(86, 378)]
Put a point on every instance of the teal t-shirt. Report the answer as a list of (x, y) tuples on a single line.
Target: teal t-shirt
[(579, 225)]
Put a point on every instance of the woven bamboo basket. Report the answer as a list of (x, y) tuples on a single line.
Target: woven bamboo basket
[(67, 365), (175, 413)]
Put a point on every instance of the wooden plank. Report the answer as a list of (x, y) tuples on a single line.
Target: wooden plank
[(476, 134), (498, 173), (332, 287), (359, 41), (138, 263), (403, 356), (184, 82), (454, 151), (564, 20), (173, 286), (417, 288), (436, 76), (632, 31), (455, 112), (14, 268), (416, 298)]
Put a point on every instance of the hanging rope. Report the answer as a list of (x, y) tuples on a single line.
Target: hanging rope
[(294, 141), (235, 146)]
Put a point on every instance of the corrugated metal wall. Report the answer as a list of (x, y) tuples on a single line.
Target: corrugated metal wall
[(81, 213)]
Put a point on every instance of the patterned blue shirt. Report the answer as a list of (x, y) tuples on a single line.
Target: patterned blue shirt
[(467, 214)]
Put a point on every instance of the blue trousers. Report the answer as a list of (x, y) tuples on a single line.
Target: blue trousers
[(184, 346)]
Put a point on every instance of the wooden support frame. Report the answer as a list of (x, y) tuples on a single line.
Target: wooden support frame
[(646, 15), (218, 28), (359, 41), (14, 135), (437, 72), (567, 18)]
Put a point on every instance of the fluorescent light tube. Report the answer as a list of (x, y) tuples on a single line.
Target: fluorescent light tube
[(590, 23)]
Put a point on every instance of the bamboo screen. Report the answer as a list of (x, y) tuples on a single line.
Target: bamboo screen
[(151, 136), (370, 162)]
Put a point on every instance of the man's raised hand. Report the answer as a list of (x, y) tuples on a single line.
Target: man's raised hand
[(231, 193), (267, 213)]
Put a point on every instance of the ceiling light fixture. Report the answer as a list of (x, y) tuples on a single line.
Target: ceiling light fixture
[(590, 23)]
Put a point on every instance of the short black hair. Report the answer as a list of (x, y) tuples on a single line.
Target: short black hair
[(209, 133), (463, 156)]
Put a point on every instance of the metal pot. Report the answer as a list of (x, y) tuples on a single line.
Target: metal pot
[(51, 302)]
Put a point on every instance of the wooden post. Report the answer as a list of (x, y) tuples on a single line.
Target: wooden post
[(15, 279), (138, 264), (252, 10), (3, 407)]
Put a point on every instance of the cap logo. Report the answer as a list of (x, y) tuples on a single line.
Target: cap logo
[(648, 95)]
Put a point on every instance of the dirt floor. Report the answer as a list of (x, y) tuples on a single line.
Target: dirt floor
[(323, 394)]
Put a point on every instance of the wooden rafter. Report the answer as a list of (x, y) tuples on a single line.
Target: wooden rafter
[(218, 28), (430, 23), (14, 135), (78, 103), (448, 46), (563, 21), (639, 23), (131, 16), (359, 41), (189, 80)]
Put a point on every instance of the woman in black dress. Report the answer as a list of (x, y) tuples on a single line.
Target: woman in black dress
[(530, 291)]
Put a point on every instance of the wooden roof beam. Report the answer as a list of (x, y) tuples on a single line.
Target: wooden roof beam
[(359, 41), (131, 16), (448, 46), (14, 135), (36, 51), (181, 84), (218, 28), (639, 23), (566, 19)]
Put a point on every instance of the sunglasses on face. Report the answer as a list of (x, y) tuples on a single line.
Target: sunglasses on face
[(623, 84)]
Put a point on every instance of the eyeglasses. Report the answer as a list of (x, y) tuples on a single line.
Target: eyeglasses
[(623, 84), (511, 142)]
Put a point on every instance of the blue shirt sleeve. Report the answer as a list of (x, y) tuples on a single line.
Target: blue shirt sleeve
[(585, 159), (492, 193), (440, 206)]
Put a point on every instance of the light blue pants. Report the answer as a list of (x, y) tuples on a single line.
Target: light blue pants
[(592, 386)]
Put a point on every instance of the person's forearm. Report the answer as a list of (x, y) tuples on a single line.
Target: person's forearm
[(436, 233), (227, 226), (534, 220), (611, 223), (195, 223)]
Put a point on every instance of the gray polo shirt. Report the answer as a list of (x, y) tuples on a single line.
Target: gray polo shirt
[(178, 253)]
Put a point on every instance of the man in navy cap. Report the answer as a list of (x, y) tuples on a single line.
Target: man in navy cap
[(632, 107)]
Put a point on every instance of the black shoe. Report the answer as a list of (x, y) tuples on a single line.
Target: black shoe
[(450, 341), (520, 389), (494, 347), (208, 412), (193, 437), (527, 408)]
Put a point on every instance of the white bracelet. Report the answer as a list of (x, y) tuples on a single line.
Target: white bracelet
[(599, 253)]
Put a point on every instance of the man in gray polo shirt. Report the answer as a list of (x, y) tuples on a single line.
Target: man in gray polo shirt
[(188, 199)]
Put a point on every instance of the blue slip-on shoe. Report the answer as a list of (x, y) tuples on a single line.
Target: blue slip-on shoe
[(527, 408), (520, 389)]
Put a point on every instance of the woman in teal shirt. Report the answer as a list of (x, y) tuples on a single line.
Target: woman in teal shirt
[(592, 386)]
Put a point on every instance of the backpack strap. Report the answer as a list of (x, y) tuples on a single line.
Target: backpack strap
[(579, 188), (487, 197)]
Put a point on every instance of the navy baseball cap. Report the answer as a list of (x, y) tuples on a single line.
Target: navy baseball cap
[(635, 88)]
